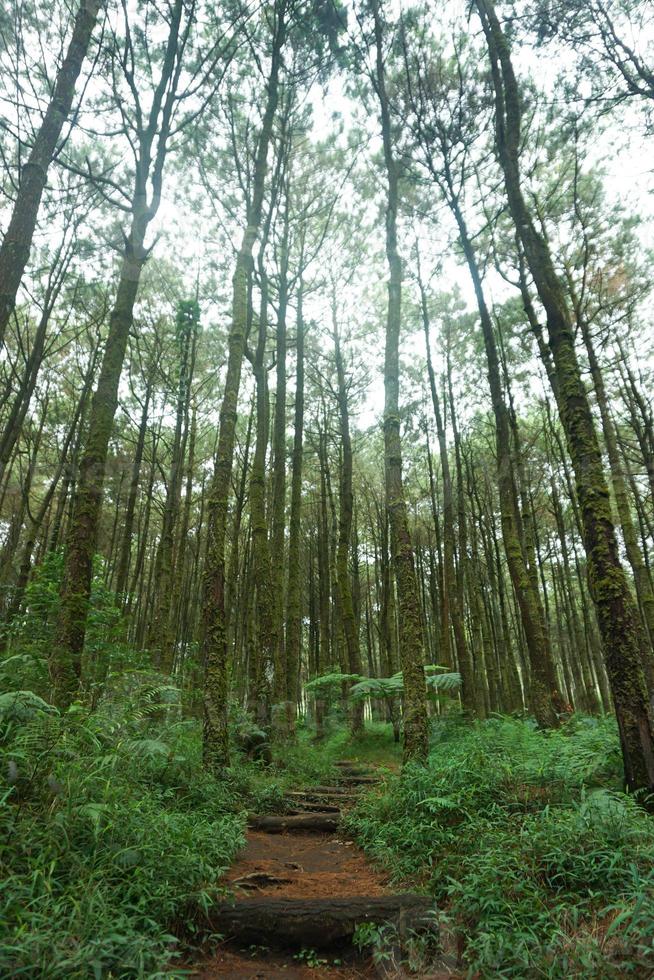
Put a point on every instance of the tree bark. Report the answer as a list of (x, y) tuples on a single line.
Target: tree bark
[(261, 661), (318, 823), (130, 510), (215, 735), (81, 539), (161, 634), (416, 733), (66, 656), (317, 922), (346, 506), (642, 581), (544, 695), (294, 586), (283, 709), (450, 578)]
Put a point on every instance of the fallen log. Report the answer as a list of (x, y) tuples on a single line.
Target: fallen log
[(328, 790), (315, 922), (337, 799), (258, 880), (276, 823), (353, 770), (359, 780), (304, 806)]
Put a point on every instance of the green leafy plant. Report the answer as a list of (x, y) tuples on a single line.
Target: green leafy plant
[(439, 681), (447, 682), (310, 958), (365, 934)]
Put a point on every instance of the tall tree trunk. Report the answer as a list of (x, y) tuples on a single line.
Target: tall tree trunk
[(261, 659), (183, 610), (215, 736), (81, 537), (544, 696), (616, 610), (17, 242), (462, 567), (411, 651), (36, 521), (283, 709), (234, 570), (12, 535), (161, 635), (294, 587), (590, 691), (21, 402), (324, 588), (450, 578), (130, 510), (346, 505), (135, 589), (642, 581), (439, 591)]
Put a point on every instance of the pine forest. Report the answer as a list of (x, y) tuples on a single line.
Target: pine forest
[(327, 489)]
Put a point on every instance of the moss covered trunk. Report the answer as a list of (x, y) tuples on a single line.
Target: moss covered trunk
[(325, 645), (283, 710), (215, 652), (544, 695), (451, 584), (66, 656), (410, 626), (295, 568), (161, 631), (130, 510), (345, 514), (260, 665), (642, 581), (617, 615)]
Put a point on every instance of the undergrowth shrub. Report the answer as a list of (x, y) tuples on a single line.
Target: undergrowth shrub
[(295, 765), (31, 634), (304, 763), (541, 864), (113, 838)]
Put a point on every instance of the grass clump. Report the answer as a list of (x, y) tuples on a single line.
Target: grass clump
[(539, 864), (112, 840)]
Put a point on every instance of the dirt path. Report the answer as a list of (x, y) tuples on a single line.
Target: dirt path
[(307, 866), (294, 868)]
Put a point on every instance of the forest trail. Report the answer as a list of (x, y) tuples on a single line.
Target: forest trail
[(299, 894)]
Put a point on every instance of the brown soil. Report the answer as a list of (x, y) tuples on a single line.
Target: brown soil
[(240, 965), (313, 866)]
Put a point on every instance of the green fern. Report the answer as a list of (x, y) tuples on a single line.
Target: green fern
[(444, 683), (22, 706), (330, 682), (393, 687), (377, 687)]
